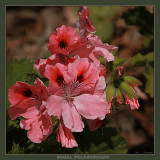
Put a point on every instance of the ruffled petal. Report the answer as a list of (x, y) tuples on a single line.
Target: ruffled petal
[(90, 106), (65, 136)]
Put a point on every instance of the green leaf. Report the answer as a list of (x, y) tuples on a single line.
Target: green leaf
[(17, 71), (146, 61), (16, 149), (127, 89), (142, 60), (131, 80), (118, 61), (149, 74), (93, 142), (110, 92)]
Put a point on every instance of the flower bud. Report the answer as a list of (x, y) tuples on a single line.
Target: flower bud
[(110, 92), (131, 80), (127, 90)]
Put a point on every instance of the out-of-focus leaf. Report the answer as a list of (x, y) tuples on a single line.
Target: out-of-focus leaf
[(146, 61), (118, 61), (16, 149), (149, 74), (142, 60), (108, 142), (140, 17)]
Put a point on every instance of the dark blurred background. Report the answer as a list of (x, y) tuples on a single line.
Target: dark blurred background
[(131, 28)]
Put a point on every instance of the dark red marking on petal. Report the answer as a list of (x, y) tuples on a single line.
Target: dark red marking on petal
[(27, 93), (62, 44), (80, 78), (60, 79)]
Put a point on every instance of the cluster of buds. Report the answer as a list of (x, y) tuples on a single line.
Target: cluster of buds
[(77, 89)]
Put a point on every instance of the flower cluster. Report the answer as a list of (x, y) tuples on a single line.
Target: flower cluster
[(77, 87)]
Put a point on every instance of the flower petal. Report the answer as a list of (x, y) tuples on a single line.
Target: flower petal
[(72, 118), (54, 105), (65, 136), (90, 106)]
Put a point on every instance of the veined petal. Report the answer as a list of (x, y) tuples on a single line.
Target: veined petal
[(90, 106), (65, 136), (54, 105), (72, 118)]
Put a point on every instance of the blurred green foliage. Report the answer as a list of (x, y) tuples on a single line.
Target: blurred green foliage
[(144, 19)]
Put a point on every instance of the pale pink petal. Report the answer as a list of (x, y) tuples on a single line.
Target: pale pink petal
[(65, 136), (35, 132), (72, 118), (133, 103), (108, 110), (90, 106), (100, 87)]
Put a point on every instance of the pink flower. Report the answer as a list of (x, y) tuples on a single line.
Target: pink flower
[(65, 136), (65, 41), (22, 95), (52, 60), (95, 48), (29, 102), (84, 23), (72, 91)]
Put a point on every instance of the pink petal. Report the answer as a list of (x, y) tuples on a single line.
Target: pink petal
[(90, 106), (35, 132), (55, 74), (82, 76), (133, 103), (100, 87), (15, 112), (94, 124), (65, 136), (54, 105), (66, 35), (84, 23), (71, 118)]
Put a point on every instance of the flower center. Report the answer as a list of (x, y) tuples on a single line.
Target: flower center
[(62, 44)]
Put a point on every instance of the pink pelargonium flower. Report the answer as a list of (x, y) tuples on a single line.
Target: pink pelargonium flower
[(72, 89), (29, 102), (96, 48), (65, 136), (22, 95), (65, 41), (52, 60), (84, 23)]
